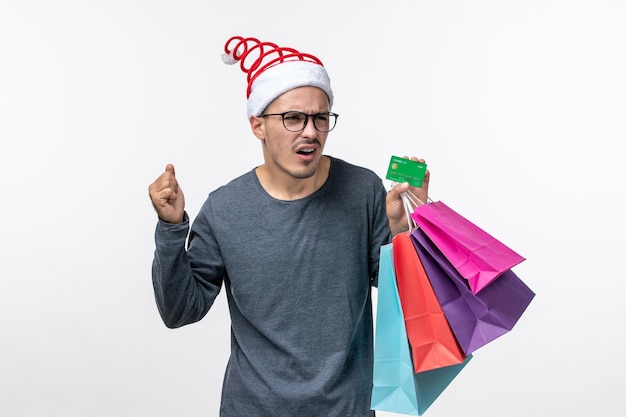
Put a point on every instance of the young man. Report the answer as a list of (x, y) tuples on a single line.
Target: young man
[(295, 242)]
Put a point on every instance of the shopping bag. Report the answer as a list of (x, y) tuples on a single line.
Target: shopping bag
[(475, 319), (433, 344), (396, 388), (479, 257)]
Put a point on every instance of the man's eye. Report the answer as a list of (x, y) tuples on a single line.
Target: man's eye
[(322, 116), (293, 116)]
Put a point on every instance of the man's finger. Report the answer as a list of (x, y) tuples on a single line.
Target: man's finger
[(398, 189), (170, 168)]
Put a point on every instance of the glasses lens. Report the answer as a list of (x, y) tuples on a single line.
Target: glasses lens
[(294, 121), (324, 122)]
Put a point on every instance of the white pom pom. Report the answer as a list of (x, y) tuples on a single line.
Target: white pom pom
[(228, 59)]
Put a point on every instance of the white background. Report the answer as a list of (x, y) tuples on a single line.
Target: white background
[(518, 107)]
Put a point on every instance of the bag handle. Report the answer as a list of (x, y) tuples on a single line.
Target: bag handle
[(410, 202)]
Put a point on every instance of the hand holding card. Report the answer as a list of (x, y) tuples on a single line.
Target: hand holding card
[(409, 177)]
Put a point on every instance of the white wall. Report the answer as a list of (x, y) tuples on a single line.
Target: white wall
[(518, 108)]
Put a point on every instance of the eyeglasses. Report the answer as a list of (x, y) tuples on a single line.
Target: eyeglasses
[(296, 121)]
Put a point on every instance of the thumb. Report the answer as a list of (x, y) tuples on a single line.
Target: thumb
[(170, 168), (396, 191)]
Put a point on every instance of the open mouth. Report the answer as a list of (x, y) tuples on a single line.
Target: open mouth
[(305, 151)]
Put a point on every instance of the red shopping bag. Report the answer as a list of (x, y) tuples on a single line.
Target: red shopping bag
[(433, 344), (479, 257)]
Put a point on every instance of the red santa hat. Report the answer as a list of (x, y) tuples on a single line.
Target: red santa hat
[(273, 70)]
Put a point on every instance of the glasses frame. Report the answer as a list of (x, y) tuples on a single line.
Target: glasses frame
[(306, 120)]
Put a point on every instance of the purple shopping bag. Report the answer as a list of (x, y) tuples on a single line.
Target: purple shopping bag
[(479, 257), (475, 319)]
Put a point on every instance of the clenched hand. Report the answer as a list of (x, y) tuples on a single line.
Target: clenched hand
[(167, 197)]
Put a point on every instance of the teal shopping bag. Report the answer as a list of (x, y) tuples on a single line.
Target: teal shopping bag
[(396, 387)]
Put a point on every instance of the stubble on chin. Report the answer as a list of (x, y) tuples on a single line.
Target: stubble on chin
[(305, 172)]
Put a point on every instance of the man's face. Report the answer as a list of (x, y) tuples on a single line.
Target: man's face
[(296, 154)]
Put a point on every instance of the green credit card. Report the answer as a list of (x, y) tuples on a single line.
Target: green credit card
[(404, 170)]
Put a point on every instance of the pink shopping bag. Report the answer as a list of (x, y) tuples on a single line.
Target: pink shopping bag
[(479, 257)]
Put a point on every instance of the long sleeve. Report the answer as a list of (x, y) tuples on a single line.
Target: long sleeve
[(184, 292)]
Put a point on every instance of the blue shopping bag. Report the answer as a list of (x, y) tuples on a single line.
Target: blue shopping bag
[(396, 388)]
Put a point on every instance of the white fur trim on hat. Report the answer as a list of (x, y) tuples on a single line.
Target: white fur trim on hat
[(283, 77)]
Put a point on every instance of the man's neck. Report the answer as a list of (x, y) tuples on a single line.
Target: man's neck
[(282, 186)]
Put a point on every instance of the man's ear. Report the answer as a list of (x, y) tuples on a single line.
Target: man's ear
[(258, 128)]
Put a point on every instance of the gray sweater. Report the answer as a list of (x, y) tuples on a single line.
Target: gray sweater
[(297, 276)]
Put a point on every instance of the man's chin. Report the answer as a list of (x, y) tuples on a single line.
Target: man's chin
[(304, 173)]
